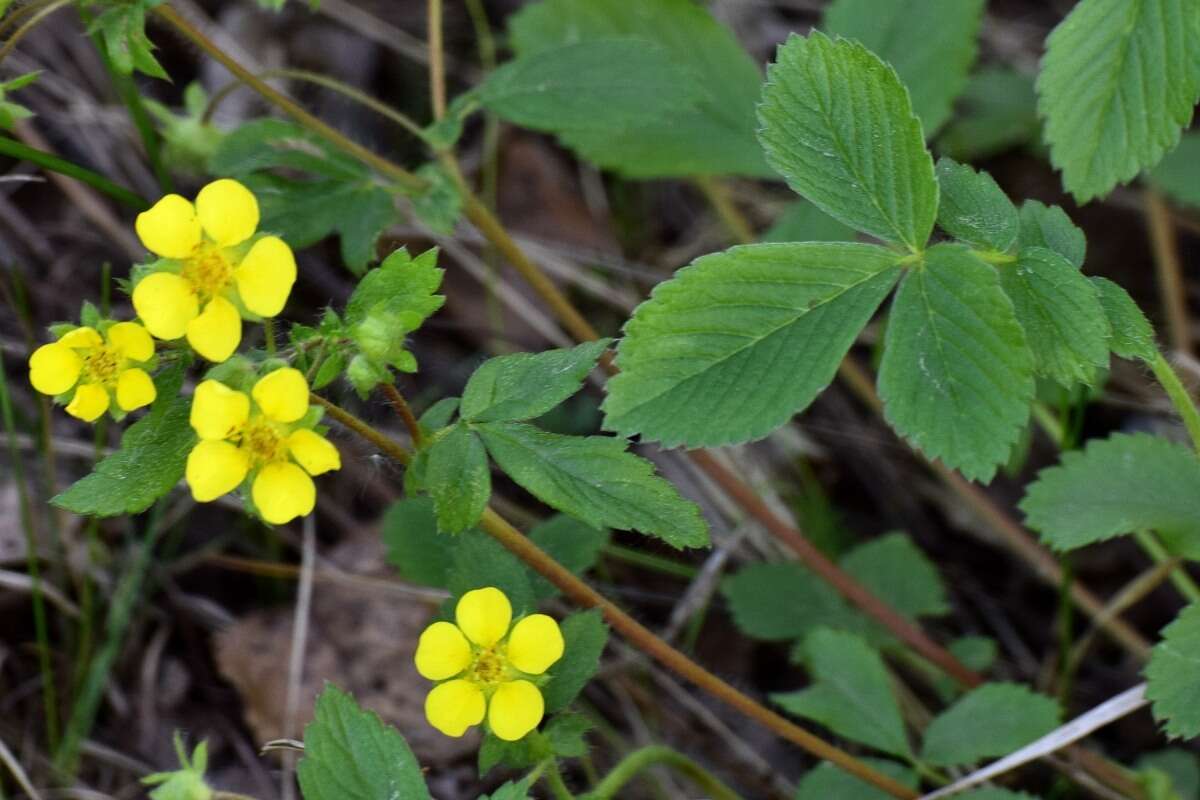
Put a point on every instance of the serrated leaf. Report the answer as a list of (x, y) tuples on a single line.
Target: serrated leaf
[(898, 573), (414, 547), (584, 637), (1060, 309), (402, 286), (572, 543), (595, 479), (957, 376), (458, 478), (851, 694), (439, 205), (783, 601), (1118, 82), (1015, 716), (148, 464), (836, 122), (479, 561), (1178, 174), (567, 735), (1050, 227), (1132, 335), (511, 790), (974, 209), (1117, 485), (1173, 676), (349, 754), (268, 143), (827, 782), (526, 385), (739, 341), (935, 72), (801, 221), (996, 112)]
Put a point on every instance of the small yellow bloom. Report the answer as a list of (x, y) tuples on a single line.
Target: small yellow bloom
[(212, 268), (486, 667), (262, 435), (103, 369)]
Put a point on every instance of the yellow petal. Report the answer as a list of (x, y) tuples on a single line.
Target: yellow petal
[(90, 402), (170, 228), (282, 395), (214, 469), (131, 341), (166, 304), (83, 338), (216, 333), (313, 452), (534, 644), (442, 652), (218, 412), (265, 276), (484, 615), (454, 706), (135, 389), (54, 368), (227, 211), (516, 709), (282, 491)]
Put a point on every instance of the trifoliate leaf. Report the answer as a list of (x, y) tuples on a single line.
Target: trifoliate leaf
[(996, 112), (957, 375), (1015, 717), (974, 209), (851, 692), (595, 479), (836, 122), (1117, 485), (826, 782), (1173, 676), (801, 221), (898, 573), (349, 754), (1132, 335), (935, 72), (526, 385), (1061, 311), (1178, 174), (584, 638), (738, 342), (458, 478), (1119, 81)]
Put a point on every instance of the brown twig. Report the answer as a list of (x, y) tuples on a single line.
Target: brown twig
[(437, 60), (1163, 243)]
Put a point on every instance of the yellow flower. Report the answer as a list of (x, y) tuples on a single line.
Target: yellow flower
[(102, 370), (264, 435), (212, 271), (484, 666)]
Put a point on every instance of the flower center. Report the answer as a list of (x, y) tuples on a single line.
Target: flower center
[(207, 270), (101, 365), (488, 667), (263, 442)]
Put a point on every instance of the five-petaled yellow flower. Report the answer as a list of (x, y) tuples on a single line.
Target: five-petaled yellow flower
[(262, 435), (212, 270), (102, 369), (486, 667)]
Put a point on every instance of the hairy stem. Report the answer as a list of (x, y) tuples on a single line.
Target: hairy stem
[(657, 755), (401, 406), (1178, 394)]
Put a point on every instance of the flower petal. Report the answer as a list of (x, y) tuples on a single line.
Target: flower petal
[(534, 644), (90, 402), (442, 652), (454, 706), (228, 212), (215, 334), (313, 452), (82, 338), (135, 389), (215, 468), (131, 341), (282, 491), (218, 412), (54, 368), (516, 709), (265, 276), (484, 615), (282, 395), (166, 304), (169, 228)]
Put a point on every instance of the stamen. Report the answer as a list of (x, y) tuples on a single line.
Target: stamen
[(208, 270)]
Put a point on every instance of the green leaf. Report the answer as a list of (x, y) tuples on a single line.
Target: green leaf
[(1061, 311), (567, 735), (989, 721), (739, 341), (957, 376), (439, 205), (1173, 676), (827, 782), (584, 637), (1050, 227), (269, 143), (801, 221), (123, 30), (837, 124), (1118, 82), (595, 479), (898, 573), (458, 479), (349, 754), (479, 561), (783, 601), (402, 286), (148, 464), (10, 112), (994, 793), (574, 544), (851, 694), (998, 111), (974, 209), (438, 415), (1132, 335), (1117, 485), (526, 385), (1178, 174), (414, 547), (511, 790), (1181, 768), (935, 70)]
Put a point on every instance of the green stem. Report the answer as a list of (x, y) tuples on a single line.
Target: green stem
[(1154, 548), (657, 755), (554, 780), (15, 149), (1178, 394)]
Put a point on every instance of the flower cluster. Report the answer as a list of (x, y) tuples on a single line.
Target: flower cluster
[(96, 372), (486, 668)]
